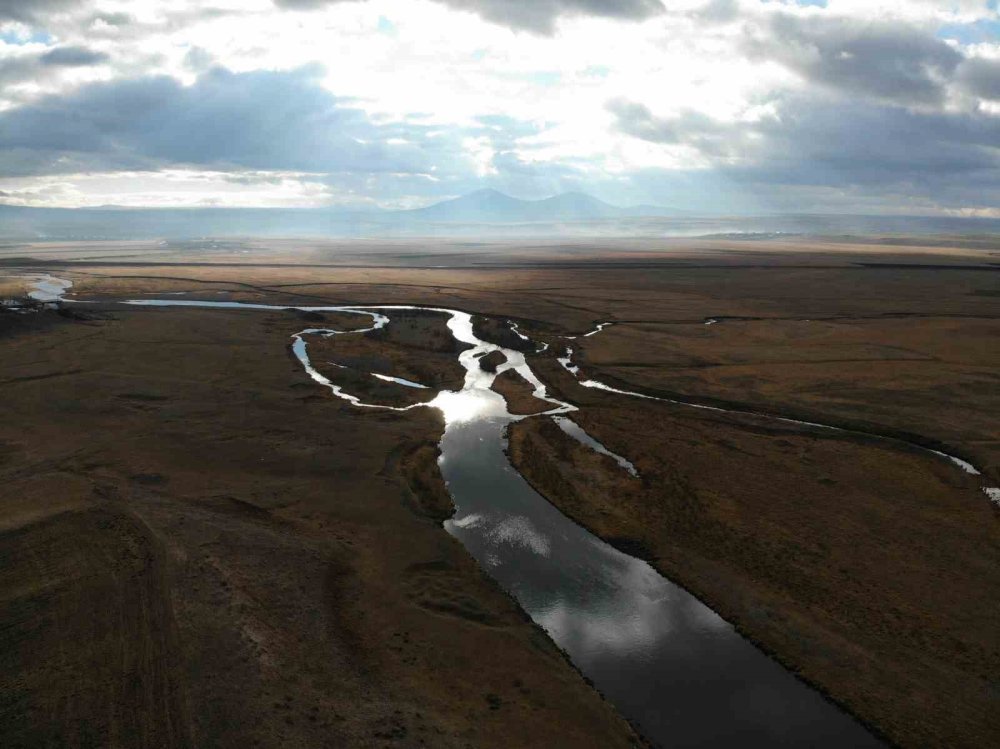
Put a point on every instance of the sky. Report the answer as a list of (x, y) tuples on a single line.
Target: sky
[(712, 106)]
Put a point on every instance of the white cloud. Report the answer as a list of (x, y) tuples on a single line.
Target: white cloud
[(173, 188)]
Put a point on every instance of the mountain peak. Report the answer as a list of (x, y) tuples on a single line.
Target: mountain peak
[(489, 205), (487, 192)]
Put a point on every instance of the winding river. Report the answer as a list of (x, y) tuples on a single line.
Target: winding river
[(671, 665)]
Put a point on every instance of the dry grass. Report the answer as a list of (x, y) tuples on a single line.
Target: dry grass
[(299, 541), (201, 548)]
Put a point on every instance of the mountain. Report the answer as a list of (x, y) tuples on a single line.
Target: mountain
[(464, 214), (494, 207), (486, 213)]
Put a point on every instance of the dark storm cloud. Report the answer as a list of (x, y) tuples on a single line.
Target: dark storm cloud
[(537, 16), (261, 120), (887, 61), (819, 141)]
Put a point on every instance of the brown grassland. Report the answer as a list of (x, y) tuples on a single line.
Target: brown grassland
[(199, 546)]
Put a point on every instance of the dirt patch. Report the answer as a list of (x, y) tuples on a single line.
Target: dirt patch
[(85, 602)]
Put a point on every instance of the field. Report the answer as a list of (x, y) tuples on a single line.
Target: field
[(202, 547)]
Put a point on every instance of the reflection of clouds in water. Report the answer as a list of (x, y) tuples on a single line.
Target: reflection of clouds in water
[(630, 610), (520, 531), (599, 629), (638, 587)]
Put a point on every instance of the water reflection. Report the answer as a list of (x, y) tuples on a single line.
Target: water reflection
[(576, 432), (665, 659), (45, 288)]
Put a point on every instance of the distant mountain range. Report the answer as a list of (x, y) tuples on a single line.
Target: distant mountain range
[(484, 208), (485, 213), (494, 207)]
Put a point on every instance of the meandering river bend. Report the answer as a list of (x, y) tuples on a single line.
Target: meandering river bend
[(677, 670)]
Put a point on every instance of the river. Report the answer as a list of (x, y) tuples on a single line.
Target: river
[(677, 670)]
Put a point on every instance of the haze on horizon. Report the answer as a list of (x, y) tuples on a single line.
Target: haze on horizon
[(717, 106)]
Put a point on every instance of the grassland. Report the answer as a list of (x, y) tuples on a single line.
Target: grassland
[(237, 557)]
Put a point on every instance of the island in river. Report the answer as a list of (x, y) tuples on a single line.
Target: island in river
[(238, 556)]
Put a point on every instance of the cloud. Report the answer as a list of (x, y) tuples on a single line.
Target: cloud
[(309, 4), (111, 19), (28, 11), (536, 16), (540, 16), (55, 193), (883, 60), (72, 57), (38, 67), (260, 127), (198, 59), (717, 11), (981, 77), (820, 141), (689, 128), (888, 101), (260, 120)]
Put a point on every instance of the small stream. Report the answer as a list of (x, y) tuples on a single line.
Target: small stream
[(672, 666), (566, 362)]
